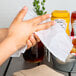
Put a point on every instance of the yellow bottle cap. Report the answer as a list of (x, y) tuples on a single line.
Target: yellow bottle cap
[(60, 13)]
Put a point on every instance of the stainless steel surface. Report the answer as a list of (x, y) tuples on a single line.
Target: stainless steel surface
[(65, 67), (20, 64)]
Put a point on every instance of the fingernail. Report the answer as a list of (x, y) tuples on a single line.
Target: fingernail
[(24, 7)]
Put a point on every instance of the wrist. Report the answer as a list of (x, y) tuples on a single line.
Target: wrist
[(16, 42), (7, 48), (9, 43)]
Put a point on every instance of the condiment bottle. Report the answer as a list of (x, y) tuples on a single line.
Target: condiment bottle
[(62, 17), (73, 23)]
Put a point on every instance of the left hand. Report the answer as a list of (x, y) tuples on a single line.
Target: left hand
[(32, 41)]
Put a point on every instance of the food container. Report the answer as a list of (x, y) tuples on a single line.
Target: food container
[(73, 32), (62, 16), (73, 23)]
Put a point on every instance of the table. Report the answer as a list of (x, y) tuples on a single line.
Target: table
[(17, 64)]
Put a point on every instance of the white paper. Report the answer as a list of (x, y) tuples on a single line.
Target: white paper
[(56, 41)]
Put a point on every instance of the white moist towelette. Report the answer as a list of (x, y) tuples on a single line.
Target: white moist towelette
[(56, 41)]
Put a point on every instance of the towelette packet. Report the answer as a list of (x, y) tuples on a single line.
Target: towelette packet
[(56, 41)]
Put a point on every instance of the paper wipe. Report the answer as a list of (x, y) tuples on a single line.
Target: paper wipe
[(56, 41)]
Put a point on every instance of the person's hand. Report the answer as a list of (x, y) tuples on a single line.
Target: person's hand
[(21, 30), (3, 33), (32, 41)]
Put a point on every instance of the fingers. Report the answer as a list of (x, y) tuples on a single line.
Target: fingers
[(32, 41), (44, 26), (29, 44), (39, 19), (37, 38), (22, 13)]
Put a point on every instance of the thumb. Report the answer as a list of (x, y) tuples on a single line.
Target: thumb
[(22, 13)]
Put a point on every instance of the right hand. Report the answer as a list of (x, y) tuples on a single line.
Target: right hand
[(21, 30)]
